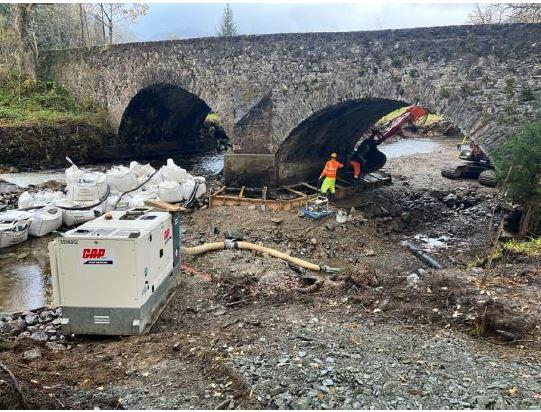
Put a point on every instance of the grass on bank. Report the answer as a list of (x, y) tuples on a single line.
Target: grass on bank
[(432, 118), (29, 103), (530, 247)]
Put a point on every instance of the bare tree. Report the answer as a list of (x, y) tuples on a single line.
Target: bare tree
[(506, 13), (27, 50), (111, 15)]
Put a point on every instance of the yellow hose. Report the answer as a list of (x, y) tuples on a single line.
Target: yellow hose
[(207, 247), (280, 255)]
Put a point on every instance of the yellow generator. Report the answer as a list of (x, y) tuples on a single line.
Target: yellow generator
[(112, 275)]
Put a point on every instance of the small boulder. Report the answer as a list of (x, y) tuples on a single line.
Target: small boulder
[(17, 326), (32, 354), (451, 199), (46, 316), (39, 336), (31, 319), (55, 347), (412, 279)]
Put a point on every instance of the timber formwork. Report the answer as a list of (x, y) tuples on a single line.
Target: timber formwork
[(293, 196)]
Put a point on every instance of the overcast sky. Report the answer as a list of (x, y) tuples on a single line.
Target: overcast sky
[(164, 21)]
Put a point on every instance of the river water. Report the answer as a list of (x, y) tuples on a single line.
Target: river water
[(24, 269)]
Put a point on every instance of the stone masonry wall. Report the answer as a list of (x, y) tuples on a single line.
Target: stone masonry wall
[(484, 79)]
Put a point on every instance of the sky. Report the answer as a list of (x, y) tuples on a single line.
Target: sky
[(166, 21)]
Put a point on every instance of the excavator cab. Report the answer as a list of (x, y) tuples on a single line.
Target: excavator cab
[(475, 165)]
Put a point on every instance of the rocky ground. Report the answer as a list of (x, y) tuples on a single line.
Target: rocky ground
[(248, 331)]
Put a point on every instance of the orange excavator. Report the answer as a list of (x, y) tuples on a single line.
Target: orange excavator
[(367, 152)]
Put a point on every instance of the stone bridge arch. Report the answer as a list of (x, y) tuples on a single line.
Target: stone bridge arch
[(163, 120), (485, 79)]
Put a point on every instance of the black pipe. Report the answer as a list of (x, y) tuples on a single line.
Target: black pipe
[(422, 255)]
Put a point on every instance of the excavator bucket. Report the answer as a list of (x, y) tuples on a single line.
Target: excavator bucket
[(374, 160)]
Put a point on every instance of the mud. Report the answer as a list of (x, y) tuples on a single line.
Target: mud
[(239, 333)]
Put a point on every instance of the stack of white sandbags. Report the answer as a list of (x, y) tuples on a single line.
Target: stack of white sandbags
[(121, 179), (178, 185), (42, 198)]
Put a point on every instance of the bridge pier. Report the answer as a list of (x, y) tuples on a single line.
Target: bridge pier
[(250, 169)]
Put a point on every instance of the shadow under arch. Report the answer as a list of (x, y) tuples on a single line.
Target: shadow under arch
[(334, 128), (164, 120)]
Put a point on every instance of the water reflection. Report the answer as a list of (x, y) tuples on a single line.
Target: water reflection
[(409, 147), (25, 276)]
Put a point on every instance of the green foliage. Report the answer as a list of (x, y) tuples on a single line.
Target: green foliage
[(213, 118), (526, 94), (518, 164), (510, 86), (520, 157), (28, 102), (227, 24), (530, 247)]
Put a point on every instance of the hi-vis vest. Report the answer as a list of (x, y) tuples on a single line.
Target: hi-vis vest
[(330, 168)]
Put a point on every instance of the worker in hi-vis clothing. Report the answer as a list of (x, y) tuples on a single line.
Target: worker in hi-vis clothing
[(329, 172)]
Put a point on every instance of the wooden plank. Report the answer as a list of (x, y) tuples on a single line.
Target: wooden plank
[(220, 190), (167, 207), (241, 192), (310, 186), (294, 191)]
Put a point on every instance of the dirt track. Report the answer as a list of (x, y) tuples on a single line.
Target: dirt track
[(240, 334)]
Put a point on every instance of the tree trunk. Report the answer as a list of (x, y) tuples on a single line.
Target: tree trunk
[(111, 24), (525, 225), (102, 22), (82, 19), (27, 53)]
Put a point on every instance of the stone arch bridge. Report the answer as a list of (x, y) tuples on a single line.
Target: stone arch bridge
[(287, 100)]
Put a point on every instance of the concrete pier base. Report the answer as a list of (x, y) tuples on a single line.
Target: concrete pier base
[(253, 170)]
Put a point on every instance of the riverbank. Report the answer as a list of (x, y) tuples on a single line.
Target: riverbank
[(243, 331)]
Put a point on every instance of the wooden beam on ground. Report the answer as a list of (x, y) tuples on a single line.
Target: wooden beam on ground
[(289, 189), (241, 192), (167, 207), (220, 190), (310, 186)]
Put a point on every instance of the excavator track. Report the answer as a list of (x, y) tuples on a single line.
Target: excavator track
[(452, 170)]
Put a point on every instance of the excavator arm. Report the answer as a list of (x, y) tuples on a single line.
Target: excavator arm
[(410, 116), (373, 159)]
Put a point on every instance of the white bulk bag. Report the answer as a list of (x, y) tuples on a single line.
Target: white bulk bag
[(121, 179), (113, 203), (45, 220), (173, 173), (25, 201), (189, 187), (138, 199), (42, 198), (89, 187), (77, 217), (12, 231), (72, 173), (170, 192)]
